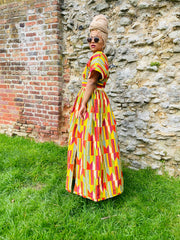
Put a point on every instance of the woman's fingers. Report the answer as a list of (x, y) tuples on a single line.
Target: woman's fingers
[(82, 113)]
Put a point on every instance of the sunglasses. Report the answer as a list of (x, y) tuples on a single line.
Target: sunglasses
[(96, 39)]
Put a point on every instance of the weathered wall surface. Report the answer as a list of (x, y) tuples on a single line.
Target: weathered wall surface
[(144, 85), (30, 68), (36, 94)]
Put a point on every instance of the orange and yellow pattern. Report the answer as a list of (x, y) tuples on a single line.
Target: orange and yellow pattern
[(93, 153)]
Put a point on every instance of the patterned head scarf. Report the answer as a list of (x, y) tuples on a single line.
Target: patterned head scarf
[(100, 23)]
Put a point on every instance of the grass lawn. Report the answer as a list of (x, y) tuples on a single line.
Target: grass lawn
[(34, 204)]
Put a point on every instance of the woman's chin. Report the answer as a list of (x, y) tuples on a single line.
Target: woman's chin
[(96, 50), (93, 50)]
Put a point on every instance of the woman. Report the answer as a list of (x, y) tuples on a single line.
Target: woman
[(94, 167)]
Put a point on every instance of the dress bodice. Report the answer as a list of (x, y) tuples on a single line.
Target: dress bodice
[(99, 63)]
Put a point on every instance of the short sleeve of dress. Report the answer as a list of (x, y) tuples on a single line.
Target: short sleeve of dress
[(99, 63)]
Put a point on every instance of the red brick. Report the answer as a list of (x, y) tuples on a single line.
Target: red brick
[(30, 35), (4, 86), (51, 73), (45, 58), (3, 55), (3, 21), (40, 22), (45, 48), (52, 20), (55, 3), (30, 24), (54, 25), (33, 17), (16, 127), (40, 5), (54, 14), (50, 9)]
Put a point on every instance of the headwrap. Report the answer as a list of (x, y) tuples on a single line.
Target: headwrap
[(100, 23)]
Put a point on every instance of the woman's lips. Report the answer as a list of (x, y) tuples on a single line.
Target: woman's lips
[(93, 45)]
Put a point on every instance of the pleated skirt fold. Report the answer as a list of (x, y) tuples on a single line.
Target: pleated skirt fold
[(93, 162)]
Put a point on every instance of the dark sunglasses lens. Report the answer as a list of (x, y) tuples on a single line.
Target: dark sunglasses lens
[(96, 39), (89, 39)]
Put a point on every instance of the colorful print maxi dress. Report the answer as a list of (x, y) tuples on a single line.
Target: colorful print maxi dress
[(94, 166)]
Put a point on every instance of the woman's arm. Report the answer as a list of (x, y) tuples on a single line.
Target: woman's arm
[(91, 85)]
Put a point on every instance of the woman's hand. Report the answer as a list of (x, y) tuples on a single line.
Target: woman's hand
[(91, 85), (82, 111)]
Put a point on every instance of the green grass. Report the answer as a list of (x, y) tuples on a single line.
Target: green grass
[(34, 204)]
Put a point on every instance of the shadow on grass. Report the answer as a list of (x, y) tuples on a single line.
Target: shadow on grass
[(144, 187), (147, 209)]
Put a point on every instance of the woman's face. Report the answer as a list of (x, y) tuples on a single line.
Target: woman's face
[(96, 46)]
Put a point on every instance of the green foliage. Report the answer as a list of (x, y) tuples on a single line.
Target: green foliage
[(35, 205), (157, 64)]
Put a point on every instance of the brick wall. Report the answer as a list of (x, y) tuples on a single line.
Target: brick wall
[(30, 68)]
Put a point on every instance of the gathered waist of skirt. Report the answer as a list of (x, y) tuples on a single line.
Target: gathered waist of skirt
[(98, 87)]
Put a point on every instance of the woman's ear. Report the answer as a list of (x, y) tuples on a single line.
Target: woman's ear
[(104, 46)]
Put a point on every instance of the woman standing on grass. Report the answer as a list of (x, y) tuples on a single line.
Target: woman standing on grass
[(94, 166)]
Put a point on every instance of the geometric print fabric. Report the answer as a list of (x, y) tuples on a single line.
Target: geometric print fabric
[(93, 152)]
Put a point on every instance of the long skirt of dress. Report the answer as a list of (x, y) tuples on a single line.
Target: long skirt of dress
[(93, 152)]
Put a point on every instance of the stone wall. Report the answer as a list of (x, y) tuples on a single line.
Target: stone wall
[(36, 94), (144, 85), (30, 68)]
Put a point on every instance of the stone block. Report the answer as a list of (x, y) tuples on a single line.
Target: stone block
[(102, 7), (120, 30), (125, 21), (174, 34), (162, 25), (133, 2), (176, 49), (176, 41), (125, 7), (152, 68)]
